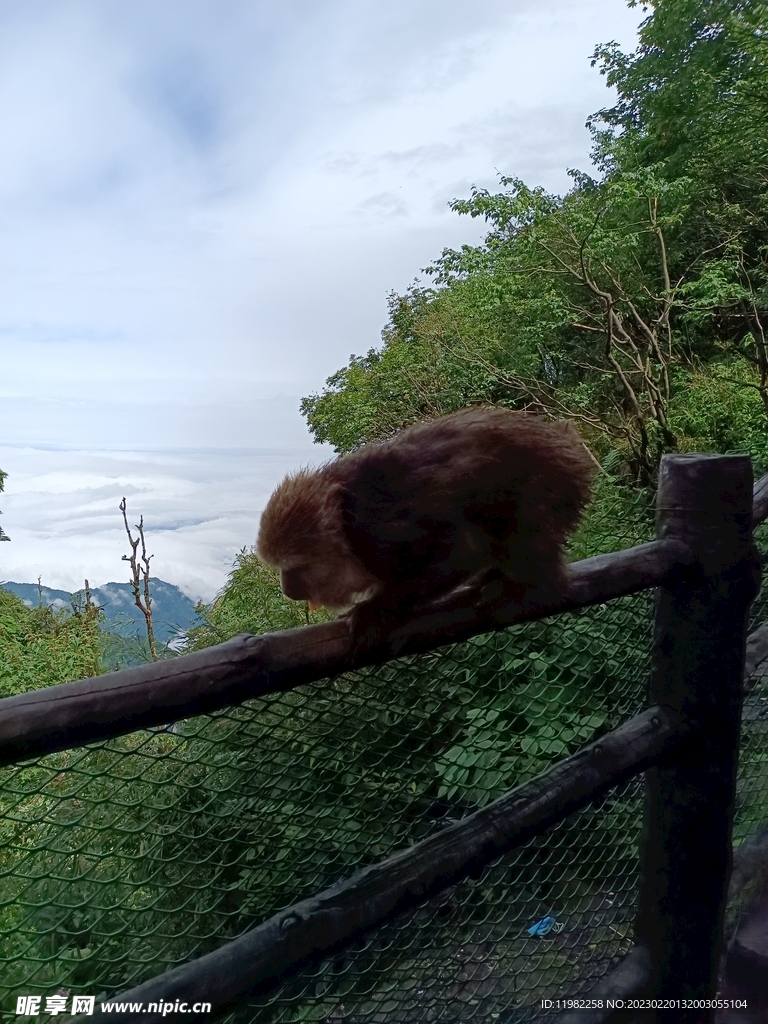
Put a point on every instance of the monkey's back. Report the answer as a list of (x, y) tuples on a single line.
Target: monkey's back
[(481, 486)]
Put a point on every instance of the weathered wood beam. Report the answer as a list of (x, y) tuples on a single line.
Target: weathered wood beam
[(329, 920), (704, 502), (760, 501), (636, 972), (91, 710)]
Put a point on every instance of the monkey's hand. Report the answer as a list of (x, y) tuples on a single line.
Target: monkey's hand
[(371, 625), (381, 626)]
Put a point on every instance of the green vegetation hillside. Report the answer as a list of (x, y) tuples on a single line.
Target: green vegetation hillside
[(634, 305), (41, 647)]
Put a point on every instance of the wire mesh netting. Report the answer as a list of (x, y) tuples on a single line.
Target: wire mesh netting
[(126, 858), (470, 955)]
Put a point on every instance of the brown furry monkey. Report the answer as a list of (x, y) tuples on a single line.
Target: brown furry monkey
[(398, 523)]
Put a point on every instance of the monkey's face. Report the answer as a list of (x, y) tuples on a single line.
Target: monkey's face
[(337, 582)]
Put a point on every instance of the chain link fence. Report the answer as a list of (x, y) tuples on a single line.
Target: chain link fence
[(123, 859)]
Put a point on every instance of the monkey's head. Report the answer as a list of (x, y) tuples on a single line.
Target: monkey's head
[(302, 534)]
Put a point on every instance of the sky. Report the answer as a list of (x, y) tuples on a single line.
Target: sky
[(203, 207)]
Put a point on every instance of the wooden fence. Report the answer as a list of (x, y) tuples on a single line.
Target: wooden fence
[(707, 572)]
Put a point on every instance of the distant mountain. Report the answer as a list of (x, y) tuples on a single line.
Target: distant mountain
[(172, 611)]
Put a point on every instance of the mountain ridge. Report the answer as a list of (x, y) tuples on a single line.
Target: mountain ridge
[(172, 611)]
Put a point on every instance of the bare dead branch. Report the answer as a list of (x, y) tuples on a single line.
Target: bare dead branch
[(139, 576)]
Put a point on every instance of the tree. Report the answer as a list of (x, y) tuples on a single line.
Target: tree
[(610, 304), (693, 101), (693, 95), (3, 534), (139, 576)]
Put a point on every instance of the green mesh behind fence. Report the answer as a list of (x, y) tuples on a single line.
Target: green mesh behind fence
[(123, 859), (468, 957)]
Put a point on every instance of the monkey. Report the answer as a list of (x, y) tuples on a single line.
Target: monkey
[(397, 524)]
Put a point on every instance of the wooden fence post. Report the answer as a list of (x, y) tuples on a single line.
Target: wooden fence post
[(698, 659)]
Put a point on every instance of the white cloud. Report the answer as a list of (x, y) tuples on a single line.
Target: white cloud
[(199, 506)]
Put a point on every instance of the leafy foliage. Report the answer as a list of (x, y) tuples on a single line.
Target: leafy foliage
[(608, 304), (250, 602), (41, 647)]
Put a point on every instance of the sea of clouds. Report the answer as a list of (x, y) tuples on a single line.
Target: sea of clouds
[(200, 507)]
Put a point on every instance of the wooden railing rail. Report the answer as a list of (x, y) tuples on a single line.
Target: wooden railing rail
[(90, 710), (319, 925)]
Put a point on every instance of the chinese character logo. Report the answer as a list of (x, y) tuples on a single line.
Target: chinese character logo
[(83, 1004)]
